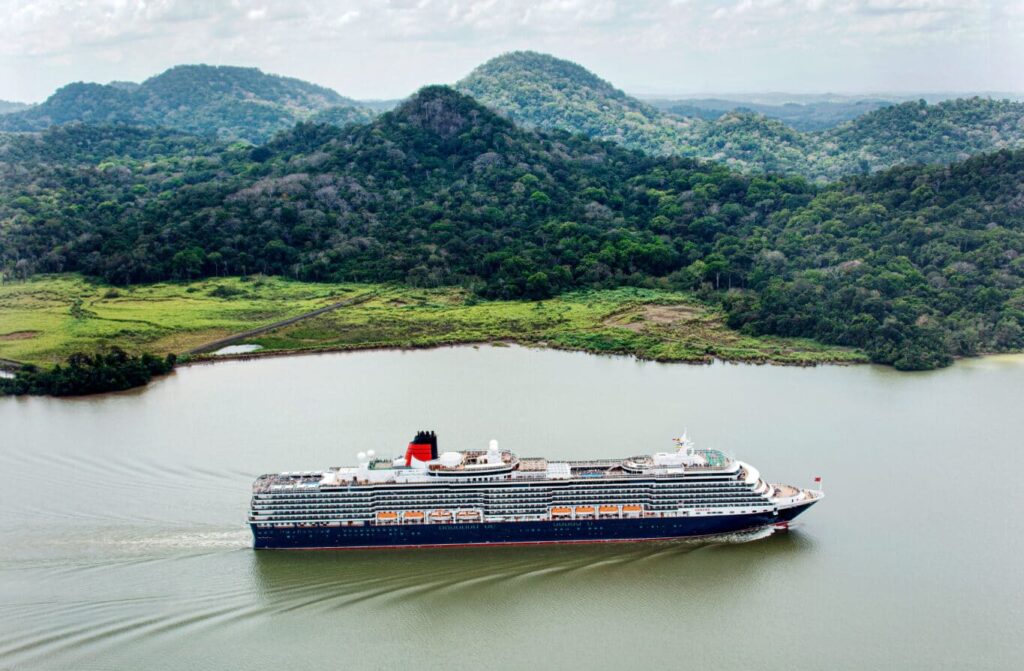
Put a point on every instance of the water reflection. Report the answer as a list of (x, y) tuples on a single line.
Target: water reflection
[(288, 580)]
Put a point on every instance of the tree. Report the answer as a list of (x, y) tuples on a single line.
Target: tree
[(538, 286), (188, 262)]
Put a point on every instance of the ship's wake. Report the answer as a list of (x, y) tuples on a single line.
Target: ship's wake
[(734, 537)]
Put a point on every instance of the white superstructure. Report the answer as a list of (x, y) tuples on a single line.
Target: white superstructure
[(494, 485)]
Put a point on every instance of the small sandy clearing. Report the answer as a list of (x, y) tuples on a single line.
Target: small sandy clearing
[(664, 315), (19, 335)]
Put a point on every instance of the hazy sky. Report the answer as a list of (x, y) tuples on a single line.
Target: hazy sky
[(381, 49)]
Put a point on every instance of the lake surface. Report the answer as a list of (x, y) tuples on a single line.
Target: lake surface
[(123, 545)]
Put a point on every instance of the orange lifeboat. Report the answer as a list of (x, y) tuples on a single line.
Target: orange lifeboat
[(609, 510), (631, 508), (560, 511), (387, 516), (440, 516), (413, 515), (584, 510)]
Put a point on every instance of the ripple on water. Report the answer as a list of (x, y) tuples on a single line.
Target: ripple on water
[(318, 584), (293, 580)]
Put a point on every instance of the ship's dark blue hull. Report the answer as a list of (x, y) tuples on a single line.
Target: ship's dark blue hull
[(508, 533)]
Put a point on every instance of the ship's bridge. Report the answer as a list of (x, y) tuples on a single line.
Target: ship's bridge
[(686, 458)]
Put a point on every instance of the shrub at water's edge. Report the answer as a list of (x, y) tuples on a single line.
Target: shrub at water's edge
[(111, 369)]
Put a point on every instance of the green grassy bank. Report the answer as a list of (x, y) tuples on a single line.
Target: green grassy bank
[(47, 318)]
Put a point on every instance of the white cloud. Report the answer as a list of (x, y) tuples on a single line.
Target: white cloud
[(375, 48)]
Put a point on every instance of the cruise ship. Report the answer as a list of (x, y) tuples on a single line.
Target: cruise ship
[(493, 497)]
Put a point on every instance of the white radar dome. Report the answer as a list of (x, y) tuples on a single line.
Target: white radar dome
[(450, 459)]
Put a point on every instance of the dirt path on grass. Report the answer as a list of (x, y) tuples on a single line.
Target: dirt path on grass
[(238, 337)]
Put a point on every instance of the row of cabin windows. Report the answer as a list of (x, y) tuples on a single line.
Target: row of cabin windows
[(400, 502), (494, 510), (502, 495), (298, 518), (552, 496), (504, 484)]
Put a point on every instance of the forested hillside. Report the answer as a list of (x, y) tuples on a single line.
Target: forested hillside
[(230, 102), (550, 93), (915, 265), (915, 132)]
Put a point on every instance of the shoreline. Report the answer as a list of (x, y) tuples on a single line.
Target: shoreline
[(209, 359)]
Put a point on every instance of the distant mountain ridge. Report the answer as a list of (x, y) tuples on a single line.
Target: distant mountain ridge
[(551, 93), (544, 92), (7, 106), (231, 102), (808, 116)]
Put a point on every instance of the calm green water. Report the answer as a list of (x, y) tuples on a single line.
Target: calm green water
[(122, 538)]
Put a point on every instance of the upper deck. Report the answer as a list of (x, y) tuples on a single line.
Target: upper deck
[(475, 467)]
